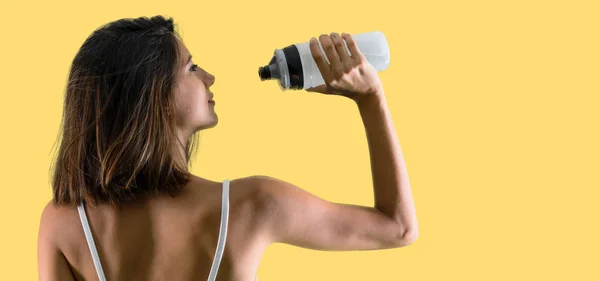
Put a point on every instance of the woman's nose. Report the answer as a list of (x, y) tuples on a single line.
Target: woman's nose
[(211, 79)]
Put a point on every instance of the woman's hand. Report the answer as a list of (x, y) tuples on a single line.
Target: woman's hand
[(346, 75)]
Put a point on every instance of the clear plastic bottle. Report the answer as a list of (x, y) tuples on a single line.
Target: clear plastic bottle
[(295, 68)]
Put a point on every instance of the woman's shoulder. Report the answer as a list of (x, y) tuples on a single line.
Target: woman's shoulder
[(245, 185), (254, 193), (52, 214), (56, 224)]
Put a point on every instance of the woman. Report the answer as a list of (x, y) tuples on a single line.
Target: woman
[(125, 206)]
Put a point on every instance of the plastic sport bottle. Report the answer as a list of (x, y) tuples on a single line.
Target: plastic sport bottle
[(295, 68)]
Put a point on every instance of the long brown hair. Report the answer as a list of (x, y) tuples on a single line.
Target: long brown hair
[(118, 138)]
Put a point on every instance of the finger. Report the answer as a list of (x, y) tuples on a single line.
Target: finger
[(338, 42), (330, 51), (319, 58), (319, 89), (352, 47)]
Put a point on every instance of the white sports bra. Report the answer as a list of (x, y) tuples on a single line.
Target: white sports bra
[(220, 244)]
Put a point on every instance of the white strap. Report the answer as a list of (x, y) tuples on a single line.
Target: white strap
[(90, 241), (222, 232)]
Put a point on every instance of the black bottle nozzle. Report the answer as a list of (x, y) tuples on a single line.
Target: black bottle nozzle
[(269, 71), (264, 72)]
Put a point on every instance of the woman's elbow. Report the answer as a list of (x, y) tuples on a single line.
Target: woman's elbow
[(408, 237)]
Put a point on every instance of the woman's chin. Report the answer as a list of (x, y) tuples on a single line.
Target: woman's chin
[(212, 124)]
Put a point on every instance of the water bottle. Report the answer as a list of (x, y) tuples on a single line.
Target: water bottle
[(295, 68)]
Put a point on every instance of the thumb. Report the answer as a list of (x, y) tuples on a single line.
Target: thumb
[(320, 89)]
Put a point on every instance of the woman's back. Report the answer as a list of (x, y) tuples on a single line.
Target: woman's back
[(165, 238)]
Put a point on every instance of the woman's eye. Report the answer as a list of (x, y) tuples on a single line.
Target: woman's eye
[(193, 68)]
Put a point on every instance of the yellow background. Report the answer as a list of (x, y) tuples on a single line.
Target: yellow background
[(496, 104)]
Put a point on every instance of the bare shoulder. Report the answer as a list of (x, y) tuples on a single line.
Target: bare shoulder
[(57, 225), (266, 190), (48, 219), (49, 212), (249, 195), (265, 185), (52, 264), (266, 195), (246, 188), (274, 192), (275, 200), (53, 218), (251, 187)]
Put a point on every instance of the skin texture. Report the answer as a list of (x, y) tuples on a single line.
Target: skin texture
[(175, 238)]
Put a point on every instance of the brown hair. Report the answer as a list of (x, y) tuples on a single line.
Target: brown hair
[(118, 138)]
